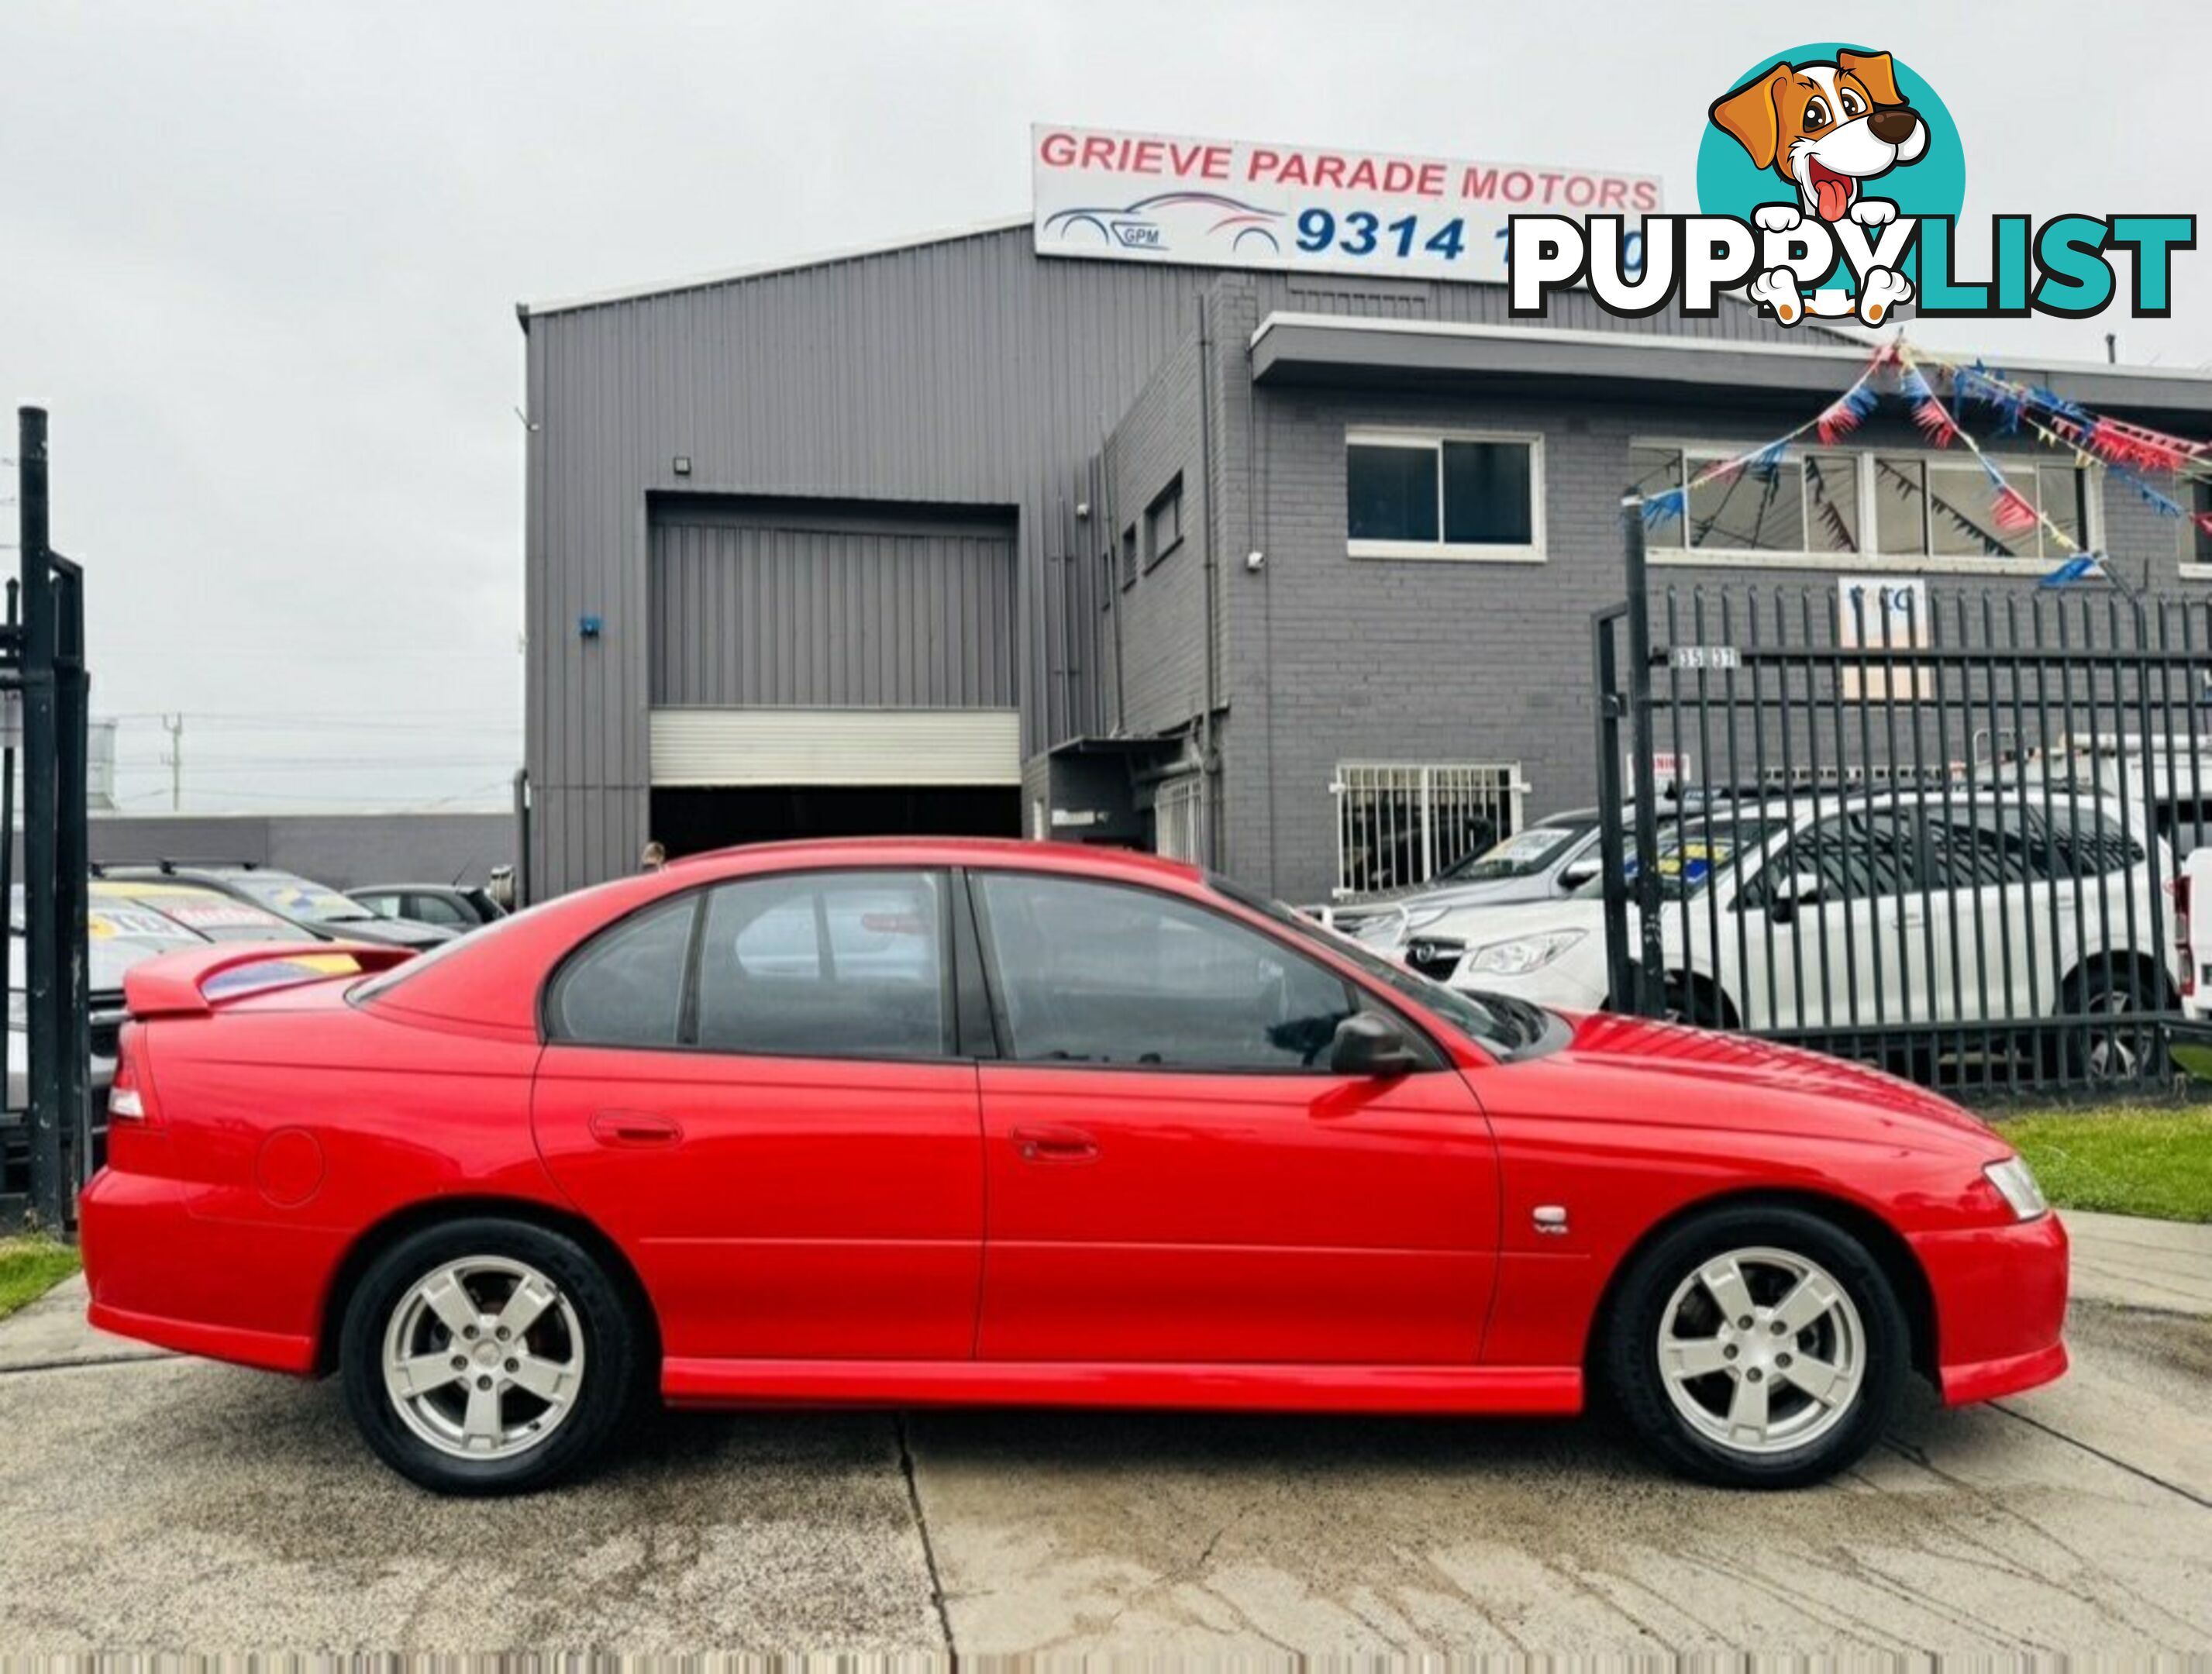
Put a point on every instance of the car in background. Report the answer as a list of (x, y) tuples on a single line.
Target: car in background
[(1068, 1126), (127, 921), (1909, 905), (1546, 861), (459, 907), (300, 901), (213, 913)]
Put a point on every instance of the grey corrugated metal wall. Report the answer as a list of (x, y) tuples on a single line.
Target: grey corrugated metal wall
[(962, 373), (966, 372), (832, 617)]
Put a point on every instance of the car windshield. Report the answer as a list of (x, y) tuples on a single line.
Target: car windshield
[(1692, 851), (1498, 1026), (298, 898), (1524, 854)]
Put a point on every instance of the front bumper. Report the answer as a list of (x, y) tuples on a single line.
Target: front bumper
[(2000, 1296)]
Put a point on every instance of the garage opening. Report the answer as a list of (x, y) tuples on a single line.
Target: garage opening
[(691, 821), (830, 670)]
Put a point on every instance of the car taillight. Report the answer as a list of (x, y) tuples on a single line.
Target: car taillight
[(129, 1099), (2182, 937)]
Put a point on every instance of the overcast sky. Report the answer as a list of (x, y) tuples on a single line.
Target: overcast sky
[(261, 262)]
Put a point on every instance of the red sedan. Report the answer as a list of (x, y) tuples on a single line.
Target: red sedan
[(898, 1122)]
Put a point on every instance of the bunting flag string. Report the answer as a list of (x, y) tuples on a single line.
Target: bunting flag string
[(2011, 511), (1840, 416), (2131, 451)]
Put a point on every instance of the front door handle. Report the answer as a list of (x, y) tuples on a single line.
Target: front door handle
[(635, 1127), (1054, 1145)]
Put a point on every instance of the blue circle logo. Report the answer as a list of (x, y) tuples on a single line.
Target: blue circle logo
[(1839, 133)]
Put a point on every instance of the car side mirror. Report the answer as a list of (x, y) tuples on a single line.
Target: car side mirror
[(1577, 873), (1369, 1043), (1799, 890)]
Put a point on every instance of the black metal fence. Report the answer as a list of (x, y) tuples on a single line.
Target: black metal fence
[(1941, 829), (48, 1127)]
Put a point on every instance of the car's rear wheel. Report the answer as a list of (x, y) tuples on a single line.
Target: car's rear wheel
[(1758, 1348), (487, 1357)]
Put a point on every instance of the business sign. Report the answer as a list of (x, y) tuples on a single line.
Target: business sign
[(1876, 614), (1157, 197)]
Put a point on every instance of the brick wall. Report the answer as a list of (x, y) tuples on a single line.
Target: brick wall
[(1333, 659)]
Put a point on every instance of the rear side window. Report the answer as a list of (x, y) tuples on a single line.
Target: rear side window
[(626, 987), (831, 964), (827, 965)]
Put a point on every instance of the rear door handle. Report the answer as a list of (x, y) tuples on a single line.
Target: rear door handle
[(1054, 1145), (635, 1127)]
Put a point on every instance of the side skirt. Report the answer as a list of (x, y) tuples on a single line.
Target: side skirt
[(1272, 1388)]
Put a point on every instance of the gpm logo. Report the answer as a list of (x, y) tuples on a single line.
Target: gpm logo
[(1832, 178)]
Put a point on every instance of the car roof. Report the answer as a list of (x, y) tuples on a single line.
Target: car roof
[(979, 852)]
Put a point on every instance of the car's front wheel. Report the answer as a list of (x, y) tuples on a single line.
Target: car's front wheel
[(487, 1357), (1758, 1348)]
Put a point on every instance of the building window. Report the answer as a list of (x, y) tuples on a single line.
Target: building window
[(1129, 557), (1456, 495), (1164, 522), (1829, 503), (1401, 823), (2195, 534)]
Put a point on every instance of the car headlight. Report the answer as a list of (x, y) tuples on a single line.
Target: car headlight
[(2015, 1184), (1523, 955)]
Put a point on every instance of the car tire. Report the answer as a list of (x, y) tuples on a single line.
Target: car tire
[(1758, 1406), (488, 1356), (2115, 1052)]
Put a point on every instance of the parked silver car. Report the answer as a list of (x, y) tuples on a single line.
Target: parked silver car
[(1546, 861)]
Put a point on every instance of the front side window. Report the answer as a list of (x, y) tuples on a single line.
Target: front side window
[(1443, 496), (826, 965), (1108, 975)]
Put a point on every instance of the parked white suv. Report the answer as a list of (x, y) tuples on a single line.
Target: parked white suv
[(1842, 913)]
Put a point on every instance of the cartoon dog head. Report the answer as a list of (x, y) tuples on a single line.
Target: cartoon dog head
[(1824, 127)]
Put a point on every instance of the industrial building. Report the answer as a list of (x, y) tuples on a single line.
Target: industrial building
[(1288, 571)]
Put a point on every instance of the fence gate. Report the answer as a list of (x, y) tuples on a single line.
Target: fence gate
[(1940, 830)]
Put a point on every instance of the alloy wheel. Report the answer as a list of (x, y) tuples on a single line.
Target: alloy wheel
[(484, 1357), (1761, 1350), (2112, 1047)]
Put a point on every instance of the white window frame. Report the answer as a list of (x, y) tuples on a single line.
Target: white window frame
[(1714, 557), (1458, 552)]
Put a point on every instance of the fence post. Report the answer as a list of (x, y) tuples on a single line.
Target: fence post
[(1650, 973), (41, 916)]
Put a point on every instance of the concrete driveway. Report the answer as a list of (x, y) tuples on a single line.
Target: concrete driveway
[(151, 1503)]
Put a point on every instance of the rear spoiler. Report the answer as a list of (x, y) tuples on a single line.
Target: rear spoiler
[(178, 985)]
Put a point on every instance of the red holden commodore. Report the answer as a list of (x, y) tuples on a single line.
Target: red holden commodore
[(913, 1121)]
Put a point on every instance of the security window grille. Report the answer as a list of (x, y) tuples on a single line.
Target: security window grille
[(1397, 825), (1439, 496), (1163, 523), (1846, 501), (1176, 818), (2197, 531)]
